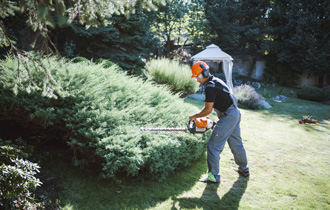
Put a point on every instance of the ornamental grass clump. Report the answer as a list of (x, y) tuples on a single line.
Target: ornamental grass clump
[(100, 120), (172, 73), (248, 96)]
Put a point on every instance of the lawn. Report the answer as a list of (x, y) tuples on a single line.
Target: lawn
[(289, 165)]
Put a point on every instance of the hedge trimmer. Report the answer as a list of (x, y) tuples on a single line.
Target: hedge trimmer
[(200, 125)]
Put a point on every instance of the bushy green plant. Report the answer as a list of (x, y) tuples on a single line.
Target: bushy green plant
[(280, 73), (79, 59), (17, 178), (105, 62), (311, 93), (177, 76), (100, 120), (247, 96)]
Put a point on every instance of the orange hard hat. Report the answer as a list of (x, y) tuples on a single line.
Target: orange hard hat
[(197, 69)]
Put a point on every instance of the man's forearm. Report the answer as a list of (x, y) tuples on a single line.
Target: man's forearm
[(207, 109), (204, 112)]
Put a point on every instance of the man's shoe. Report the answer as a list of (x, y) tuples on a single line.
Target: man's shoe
[(211, 178), (244, 173)]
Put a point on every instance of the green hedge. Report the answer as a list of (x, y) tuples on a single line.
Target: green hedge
[(311, 93), (101, 118)]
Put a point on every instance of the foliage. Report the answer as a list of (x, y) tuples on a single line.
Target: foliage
[(79, 59), (177, 76), (247, 96), (126, 42), (326, 93), (105, 63), (222, 17), (299, 34), (100, 120), (179, 22), (69, 49), (267, 134), (17, 177), (238, 25), (311, 93), (45, 15), (280, 73)]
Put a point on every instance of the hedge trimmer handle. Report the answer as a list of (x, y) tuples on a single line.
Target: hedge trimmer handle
[(191, 126)]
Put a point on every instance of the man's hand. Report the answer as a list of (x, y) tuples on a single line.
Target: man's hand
[(192, 117), (207, 109)]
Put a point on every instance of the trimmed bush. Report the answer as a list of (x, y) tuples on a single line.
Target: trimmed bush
[(310, 93), (248, 96), (100, 120), (177, 76)]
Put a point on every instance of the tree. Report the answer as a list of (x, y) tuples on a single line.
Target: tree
[(252, 28), (240, 26), (300, 35), (198, 26), (222, 16), (180, 22), (126, 41), (44, 15), (167, 22)]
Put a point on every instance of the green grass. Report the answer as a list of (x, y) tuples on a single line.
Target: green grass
[(289, 164)]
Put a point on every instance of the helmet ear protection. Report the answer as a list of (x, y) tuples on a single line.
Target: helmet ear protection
[(205, 72)]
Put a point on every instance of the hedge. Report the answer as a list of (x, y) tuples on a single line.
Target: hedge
[(311, 93), (100, 119)]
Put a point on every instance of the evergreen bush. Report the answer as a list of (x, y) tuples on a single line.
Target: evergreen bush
[(100, 119), (311, 93), (248, 96), (177, 76)]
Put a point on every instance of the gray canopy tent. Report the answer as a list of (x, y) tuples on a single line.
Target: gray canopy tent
[(213, 53)]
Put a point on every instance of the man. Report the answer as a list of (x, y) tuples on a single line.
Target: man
[(219, 98)]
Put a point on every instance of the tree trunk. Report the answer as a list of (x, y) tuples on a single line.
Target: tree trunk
[(252, 67)]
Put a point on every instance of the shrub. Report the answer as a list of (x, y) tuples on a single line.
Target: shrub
[(100, 120), (17, 178), (311, 93), (177, 76), (79, 59), (280, 73), (247, 96), (326, 93), (105, 62)]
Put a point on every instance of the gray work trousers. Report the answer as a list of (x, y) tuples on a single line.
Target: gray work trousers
[(226, 129)]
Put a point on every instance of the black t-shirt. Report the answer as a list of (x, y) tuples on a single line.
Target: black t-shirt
[(220, 98)]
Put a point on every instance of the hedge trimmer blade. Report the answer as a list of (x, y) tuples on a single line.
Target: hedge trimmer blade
[(200, 125), (163, 129)]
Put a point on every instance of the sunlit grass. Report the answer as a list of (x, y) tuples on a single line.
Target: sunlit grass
[(289, 165)]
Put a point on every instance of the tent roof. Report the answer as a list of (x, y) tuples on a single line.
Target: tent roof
[(212, 53)]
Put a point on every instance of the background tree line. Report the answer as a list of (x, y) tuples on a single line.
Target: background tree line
[(292, 35)]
